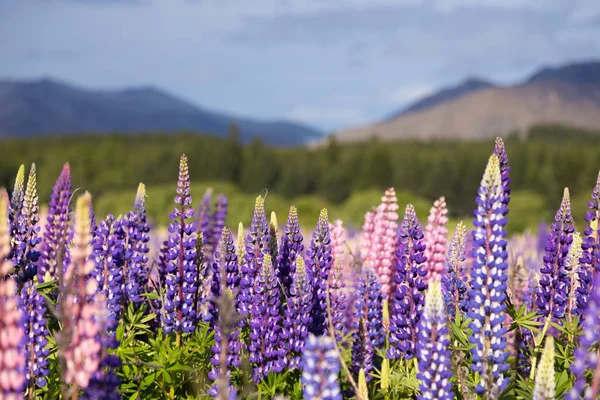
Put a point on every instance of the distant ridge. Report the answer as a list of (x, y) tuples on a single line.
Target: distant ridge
[(476, 109), (46, 106)]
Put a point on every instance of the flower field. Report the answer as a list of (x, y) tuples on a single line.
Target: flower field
[(111, 307)]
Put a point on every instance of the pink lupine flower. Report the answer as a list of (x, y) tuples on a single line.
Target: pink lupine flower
[(436, 236), (82, 349), (339, 236), (366, 237)]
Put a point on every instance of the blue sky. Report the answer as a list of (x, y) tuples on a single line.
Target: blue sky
[(329, 63)]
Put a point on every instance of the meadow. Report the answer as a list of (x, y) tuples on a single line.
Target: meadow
[(219, 289)]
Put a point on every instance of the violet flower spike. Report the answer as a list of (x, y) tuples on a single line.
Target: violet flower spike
[(435, 359), (36, 331), (337, 299), (266, 352), (297, 315), (590, 258), (56, 233), (454, 279), (362, 351), (181, 282), (291, 246), (555, 278), (217, 223), (587, 355), (202, 216), (368, 306), (488, 285), (318, 265), (257, 246), (500, 152), (108, 261), (225, 260), (320, 370), (410, 282)]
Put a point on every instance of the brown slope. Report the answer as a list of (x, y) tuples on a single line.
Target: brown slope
[(491, 112)]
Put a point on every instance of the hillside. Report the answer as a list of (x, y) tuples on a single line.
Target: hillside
[(568, 95), (45, 107)]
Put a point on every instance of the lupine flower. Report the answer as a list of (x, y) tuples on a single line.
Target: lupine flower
[(339, 236), (573, 267), (383, 240), (12, 336), (586, 353), (202, 215), (410, 282), (16, 206), (555, 280), (12, 341), (363, 390), (368, 306), (500, 152), (182, 271), (136, 228), (590, 259), (320, 369), (25, 227), (227, 335), (435, 239), (81, 347), (56, 232), (273, 239), (291, 246), (36, 331), (108, 258), (488, 285), (545, 386), (366, 238), (318, 264), (297, 315), (266, 352), (433, 353), (257, 246), (362, 351), (337, 299), (217, 223), (225, 264), (454, 286)]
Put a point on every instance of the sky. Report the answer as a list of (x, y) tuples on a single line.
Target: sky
[(327, 63)]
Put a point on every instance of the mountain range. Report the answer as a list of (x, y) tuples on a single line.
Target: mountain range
[(479, 109), (46, 107)]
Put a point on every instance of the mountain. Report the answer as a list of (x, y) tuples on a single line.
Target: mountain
[(469, 85), (567, 95), (46, 106)]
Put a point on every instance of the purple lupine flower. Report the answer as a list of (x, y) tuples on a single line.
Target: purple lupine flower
[(12, 336), (362, 351), (488, 285), (266, 351), (433, 353), (225, 266), (108, 257), (368, 299), (590, 259), (18, 226), (500, 152), (257, 245), (291, 246), (182, 271), (555, 278), (320, 369), (202, 216), (318, 264), (36, 330), (225, 261), (410, 282), (56, 233), (217, 223), (586, 353), (25, 252), (136, 228), (337, 299), (297, 315), (454, 279)]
